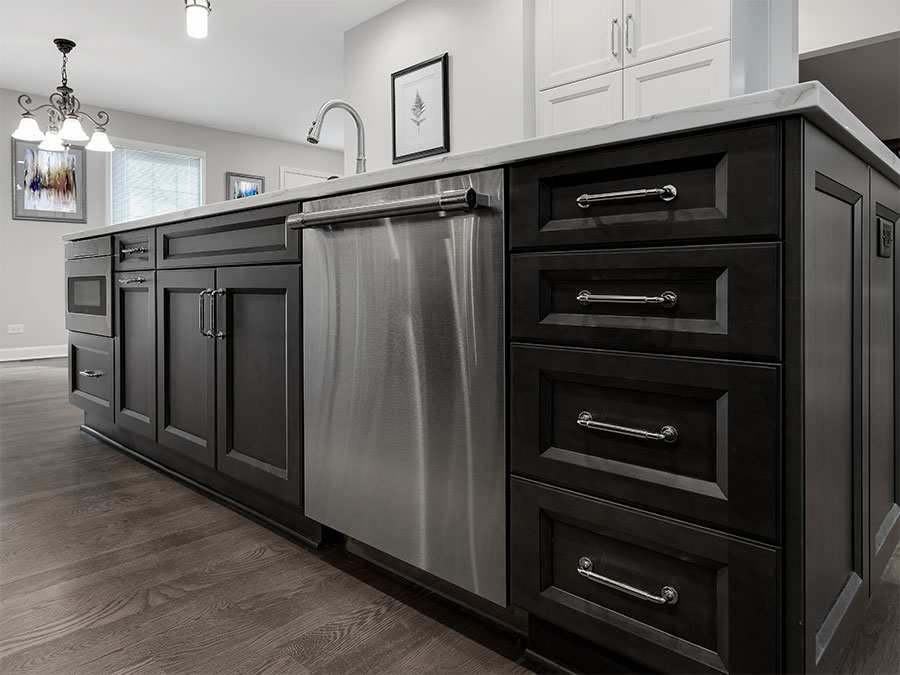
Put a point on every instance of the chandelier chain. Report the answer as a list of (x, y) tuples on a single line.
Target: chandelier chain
[(65, 77)]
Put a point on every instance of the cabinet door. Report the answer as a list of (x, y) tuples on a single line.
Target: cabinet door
[(588, 103), (135, 312), (884, 491), (259, 378), (186, 372), (576, 39), (699, 76), (653, 29)]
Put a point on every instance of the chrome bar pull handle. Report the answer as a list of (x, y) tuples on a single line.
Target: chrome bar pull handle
[(133, 250), (667, 193), (628, 18), (669, 434), (464, 199), (613, 29), (205, 333), (132, 280), (215, 333), (90, 373), (667, 299), (667, 595)]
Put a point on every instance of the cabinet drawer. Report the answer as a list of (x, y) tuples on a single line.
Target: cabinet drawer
[(91, 374), (720, 469), (727, 590), (727, 185), (253, 236), (134, 250), (87, 248), (712, 299)]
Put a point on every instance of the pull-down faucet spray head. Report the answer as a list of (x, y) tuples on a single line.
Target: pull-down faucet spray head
[(312, 136)]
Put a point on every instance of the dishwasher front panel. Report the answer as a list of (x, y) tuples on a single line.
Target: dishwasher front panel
[(403, 324)]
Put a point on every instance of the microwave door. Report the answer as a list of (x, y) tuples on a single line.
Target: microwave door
[(89, 296)]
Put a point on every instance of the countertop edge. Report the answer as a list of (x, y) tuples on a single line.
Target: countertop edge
[(809, 99)]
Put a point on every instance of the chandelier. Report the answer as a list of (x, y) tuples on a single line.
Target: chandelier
[(65, 114)]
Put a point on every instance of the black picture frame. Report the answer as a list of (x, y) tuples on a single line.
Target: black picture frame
[(20, 205), (233, 181), (433, 75)]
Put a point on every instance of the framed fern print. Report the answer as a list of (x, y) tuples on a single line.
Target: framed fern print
[(421, 110)]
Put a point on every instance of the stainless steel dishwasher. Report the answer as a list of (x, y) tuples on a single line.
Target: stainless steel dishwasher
[(403, 356)]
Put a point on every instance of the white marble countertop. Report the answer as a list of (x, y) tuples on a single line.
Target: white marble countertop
[(810, 99)]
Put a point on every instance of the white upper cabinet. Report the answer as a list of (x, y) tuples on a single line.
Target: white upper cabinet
[(654, 29), (586, 103), (576, 39)]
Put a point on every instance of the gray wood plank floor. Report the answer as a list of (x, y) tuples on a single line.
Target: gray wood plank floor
[(107, 566)]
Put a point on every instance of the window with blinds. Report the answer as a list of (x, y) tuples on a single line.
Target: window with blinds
[(146, 182)]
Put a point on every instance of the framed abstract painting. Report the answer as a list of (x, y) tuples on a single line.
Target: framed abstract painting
[(239, 185), (48, 185), (421, 110)]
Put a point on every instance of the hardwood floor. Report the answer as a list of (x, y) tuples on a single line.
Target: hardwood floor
[(107, 566)]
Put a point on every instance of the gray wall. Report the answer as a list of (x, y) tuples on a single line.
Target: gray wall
[(31, 253), (490, 43)]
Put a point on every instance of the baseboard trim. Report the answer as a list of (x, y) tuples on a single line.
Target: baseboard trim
[(31, 353)]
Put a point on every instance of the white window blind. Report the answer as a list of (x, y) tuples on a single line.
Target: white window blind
[(146, 182)]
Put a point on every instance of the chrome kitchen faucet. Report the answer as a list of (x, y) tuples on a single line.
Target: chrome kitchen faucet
[(312, 135)]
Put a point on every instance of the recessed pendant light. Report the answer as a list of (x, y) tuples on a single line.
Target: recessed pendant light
[(197, 17)]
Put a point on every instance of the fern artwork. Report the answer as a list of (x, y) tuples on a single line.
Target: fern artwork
[(418, 111)]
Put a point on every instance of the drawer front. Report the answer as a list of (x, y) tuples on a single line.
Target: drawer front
[(87, 248), (725, 607), (91, 375), (254, 236), (718, 465), (134, 250), (726, 299), (727, 185)]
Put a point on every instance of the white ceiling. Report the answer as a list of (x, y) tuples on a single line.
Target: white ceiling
[(265, 68)]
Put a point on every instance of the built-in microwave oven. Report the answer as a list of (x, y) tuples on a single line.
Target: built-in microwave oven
[(89, 287)]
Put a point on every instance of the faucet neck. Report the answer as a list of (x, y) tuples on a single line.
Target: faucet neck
[(360, 129)]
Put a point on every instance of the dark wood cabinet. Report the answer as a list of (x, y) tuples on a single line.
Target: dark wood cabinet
[(186, 365), (259, 379), (135, 316), (134, 250), (793, 442)]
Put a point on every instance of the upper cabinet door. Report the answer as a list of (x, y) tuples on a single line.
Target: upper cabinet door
[(576, 39), (587, 103), (653, 29)]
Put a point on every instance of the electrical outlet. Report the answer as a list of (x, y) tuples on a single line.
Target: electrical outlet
[(15, 328)]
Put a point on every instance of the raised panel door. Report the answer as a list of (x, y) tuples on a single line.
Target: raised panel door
[(135, 312), (587, 103), (259, 378), (186, 374), (654, 29), (692, 78), (576, 39)]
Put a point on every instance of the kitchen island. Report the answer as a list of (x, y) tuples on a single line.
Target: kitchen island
[(700, 397)]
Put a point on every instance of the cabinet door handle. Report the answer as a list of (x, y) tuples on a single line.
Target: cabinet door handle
[(132, 280), (613, 29), (667, 193), (667, 595), (133, 250), (215, 333), (90, 373), (628, 19), (205, 333), (667, 299), (668, 433)]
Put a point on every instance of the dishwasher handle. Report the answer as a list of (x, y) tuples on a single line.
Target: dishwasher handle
[(464, 199)]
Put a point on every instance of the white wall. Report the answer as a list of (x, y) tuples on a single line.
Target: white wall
[(491, 71), (824, 24), (31, 253)]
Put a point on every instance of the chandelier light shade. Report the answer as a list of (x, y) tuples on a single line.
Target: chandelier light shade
[(64, 115), (197, 17)]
